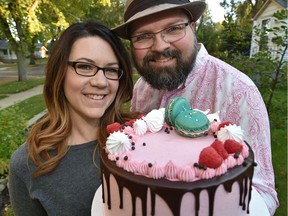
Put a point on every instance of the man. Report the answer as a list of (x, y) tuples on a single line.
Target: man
[(171, 63)]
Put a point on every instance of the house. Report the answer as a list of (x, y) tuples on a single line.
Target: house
[(264, 20), (41, 51), (6, 54)]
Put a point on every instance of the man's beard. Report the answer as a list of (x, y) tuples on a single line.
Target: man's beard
[(167, 78)]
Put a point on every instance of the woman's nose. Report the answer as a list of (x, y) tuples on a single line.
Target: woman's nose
[(99, 79)]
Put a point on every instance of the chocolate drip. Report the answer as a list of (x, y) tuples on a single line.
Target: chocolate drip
[(211, 194), (173, 192)]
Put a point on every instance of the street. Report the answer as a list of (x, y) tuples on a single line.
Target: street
[(10, 72)]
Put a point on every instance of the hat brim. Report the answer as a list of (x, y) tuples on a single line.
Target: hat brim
[(195, 9)]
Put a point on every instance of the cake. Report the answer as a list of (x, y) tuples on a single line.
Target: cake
[(176, 161)]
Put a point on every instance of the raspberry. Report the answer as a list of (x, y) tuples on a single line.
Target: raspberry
[(224, 124), (113, 127), (219, 147), (140, 116), (210, 158), (232, 146), (130, 123)]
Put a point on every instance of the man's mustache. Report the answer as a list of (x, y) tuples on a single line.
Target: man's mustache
[(158, 55)]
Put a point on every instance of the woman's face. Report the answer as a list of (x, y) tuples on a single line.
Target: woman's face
[(89, 97)]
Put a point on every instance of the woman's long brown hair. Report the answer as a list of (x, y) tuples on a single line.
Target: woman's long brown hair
[(50, 133)]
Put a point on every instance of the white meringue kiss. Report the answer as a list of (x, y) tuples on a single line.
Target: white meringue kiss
[(118, 143), (155, 120), (140, 127), (230, 132)]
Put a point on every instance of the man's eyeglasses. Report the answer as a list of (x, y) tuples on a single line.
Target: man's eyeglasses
[(89, 70), (169, 35)]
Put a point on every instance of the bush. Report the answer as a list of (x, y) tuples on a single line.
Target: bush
[(12, 134)]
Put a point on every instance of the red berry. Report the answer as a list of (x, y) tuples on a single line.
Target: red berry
[(223, 124), (130, 123), (219, 147), (232, 146), (113, 127), (140, 116), (210, 158)]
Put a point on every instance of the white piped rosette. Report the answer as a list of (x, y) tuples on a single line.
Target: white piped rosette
[(155, 120), (140, 127), (118, 143), (231, 131)]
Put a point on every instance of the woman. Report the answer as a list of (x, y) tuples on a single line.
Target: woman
[(88, 78)]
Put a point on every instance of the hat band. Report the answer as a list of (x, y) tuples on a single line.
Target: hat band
[(140, 5)]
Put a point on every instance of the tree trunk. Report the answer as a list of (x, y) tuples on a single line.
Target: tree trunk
[(22, 68), (32, 59)]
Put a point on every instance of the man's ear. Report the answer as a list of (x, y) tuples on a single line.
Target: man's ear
[(192, 24)]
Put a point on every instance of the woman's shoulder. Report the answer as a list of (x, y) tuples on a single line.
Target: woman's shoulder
[(19, 157)]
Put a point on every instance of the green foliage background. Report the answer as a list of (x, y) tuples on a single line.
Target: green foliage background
[(44, 21)]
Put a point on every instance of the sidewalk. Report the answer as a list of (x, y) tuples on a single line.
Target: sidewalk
[(14, 98)]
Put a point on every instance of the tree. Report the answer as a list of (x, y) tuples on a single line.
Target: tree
[(110, 12), (23, 22), (266, 70), (208, 33), (20, 25), (237, 26), (280, 59)]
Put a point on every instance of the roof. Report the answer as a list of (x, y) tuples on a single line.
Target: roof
[(281, 3)]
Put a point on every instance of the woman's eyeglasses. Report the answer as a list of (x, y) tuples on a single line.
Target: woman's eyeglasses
[(89, 70)]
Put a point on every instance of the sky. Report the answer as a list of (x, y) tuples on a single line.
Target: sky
[(216, 11)]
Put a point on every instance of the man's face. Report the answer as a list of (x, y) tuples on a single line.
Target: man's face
[(165, 65)]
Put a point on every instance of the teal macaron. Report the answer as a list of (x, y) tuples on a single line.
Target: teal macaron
[(192, 123), (174, 107)]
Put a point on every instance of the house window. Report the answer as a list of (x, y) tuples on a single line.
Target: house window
[(263, 45), (5, 52)]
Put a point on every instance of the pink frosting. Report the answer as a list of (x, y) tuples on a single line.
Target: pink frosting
[(171, 171), (120, 163), (112, 157), (207, 174), (128, 130), (143, 168), (230, 161), (156, 172), (131, 167), (221, 170), (187, 174), (240, 160), (245, 151), (214, 126)]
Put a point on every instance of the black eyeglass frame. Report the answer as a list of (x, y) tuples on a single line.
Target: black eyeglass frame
[(74, 63)]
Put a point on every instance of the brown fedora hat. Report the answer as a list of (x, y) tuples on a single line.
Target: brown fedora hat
[(136, 9)]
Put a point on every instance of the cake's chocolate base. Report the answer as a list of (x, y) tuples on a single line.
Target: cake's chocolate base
[(173, 191)]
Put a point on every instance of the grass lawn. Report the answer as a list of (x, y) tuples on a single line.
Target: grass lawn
[(278, 122), (16, 86), (31, 106)]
